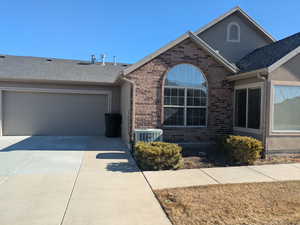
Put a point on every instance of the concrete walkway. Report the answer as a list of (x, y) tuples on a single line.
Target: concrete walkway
[(73, 181), (222, 175)]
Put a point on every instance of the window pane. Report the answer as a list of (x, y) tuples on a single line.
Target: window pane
[(185, 75), (173, 116), (287, 108), (254, 99), (196, 117), (174, 96), (234, 32), (195, 97), (240, 107)]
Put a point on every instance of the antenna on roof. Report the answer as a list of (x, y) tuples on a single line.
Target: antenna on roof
[(115, 60), (103, 56), (93, 59)]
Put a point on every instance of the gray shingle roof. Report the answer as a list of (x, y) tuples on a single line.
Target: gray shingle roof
[(267, 55), (50, 69)]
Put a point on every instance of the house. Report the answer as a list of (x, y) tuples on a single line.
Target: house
[(230, 76)]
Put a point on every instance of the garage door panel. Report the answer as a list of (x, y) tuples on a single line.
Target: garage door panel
[(32, 113)]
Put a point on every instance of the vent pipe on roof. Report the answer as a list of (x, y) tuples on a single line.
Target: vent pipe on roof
[(103, 56), (93, 59), (115, 60)]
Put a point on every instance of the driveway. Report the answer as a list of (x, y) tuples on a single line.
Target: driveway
[(73, 181)]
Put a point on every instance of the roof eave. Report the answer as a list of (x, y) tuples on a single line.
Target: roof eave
[(247, 75)]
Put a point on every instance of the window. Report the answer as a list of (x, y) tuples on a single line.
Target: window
[(248, 108), (286, 115), (233, 32), (185, 97)]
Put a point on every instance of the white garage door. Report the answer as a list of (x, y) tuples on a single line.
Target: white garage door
[(38, 113)]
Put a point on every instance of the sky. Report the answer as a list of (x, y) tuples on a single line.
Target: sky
[(128, 29)]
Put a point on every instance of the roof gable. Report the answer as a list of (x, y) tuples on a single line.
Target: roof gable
[(243, 14)]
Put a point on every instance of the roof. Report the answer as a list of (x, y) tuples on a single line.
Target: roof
[(58, 70), (237, 9), (170, 45), (270, 54)]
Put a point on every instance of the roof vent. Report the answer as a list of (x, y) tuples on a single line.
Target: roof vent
[(103, 56), (93, 59)]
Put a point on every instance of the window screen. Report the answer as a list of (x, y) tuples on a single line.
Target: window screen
[(254, 101)]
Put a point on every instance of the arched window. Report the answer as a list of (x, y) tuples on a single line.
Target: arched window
[(233, 32), (185, 97)]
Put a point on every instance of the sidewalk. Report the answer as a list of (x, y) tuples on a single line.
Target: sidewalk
[(222, 175)]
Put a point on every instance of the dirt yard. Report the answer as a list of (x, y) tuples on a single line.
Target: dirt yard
[(275, 203)]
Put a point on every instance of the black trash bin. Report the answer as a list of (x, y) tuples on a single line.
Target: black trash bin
[(113, 124)]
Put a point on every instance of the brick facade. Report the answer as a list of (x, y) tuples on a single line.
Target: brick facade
[(149, 80)]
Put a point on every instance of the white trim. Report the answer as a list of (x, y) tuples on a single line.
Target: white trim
[(249, 86), (183, 37), (232, 11), (108, 93), (229, 32)]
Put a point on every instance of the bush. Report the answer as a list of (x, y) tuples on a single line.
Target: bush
[(158, 155), (241, 149)]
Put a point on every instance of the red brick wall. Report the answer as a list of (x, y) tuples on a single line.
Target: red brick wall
[(149, 81)]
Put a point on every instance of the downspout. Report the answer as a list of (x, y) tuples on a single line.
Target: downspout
[(132, 116), (264, 77)]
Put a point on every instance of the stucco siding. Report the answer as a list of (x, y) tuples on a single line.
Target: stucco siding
[(289, 71), (250, 38)]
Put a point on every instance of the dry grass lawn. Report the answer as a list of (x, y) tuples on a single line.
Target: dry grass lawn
[(276, 203)]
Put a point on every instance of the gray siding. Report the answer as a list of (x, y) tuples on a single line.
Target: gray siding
[(233, 51)]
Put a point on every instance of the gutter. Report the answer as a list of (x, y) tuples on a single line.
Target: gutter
[(252, 74), (133, 86)]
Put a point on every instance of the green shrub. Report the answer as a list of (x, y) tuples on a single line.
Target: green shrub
[(158, 155), (241, 149)]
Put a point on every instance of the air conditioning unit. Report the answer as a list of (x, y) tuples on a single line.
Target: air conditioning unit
[(148, 135)]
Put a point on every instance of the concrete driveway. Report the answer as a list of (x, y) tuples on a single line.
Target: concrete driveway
[(73, 181)]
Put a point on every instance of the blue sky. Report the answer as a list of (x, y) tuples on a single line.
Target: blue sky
[(128, 29)]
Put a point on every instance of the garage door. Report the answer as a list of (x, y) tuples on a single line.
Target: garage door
[(37, 113)]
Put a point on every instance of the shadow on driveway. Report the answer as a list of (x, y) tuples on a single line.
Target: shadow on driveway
[(61, 143)]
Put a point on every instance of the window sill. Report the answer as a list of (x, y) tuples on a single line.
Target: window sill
[(284, 133), (248, 130), (183, 127)]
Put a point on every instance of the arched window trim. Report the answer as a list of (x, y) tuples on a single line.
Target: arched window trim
[(229, 26), (185, 106)]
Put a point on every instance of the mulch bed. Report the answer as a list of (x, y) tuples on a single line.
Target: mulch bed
[(194, 158), (276, 203)]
